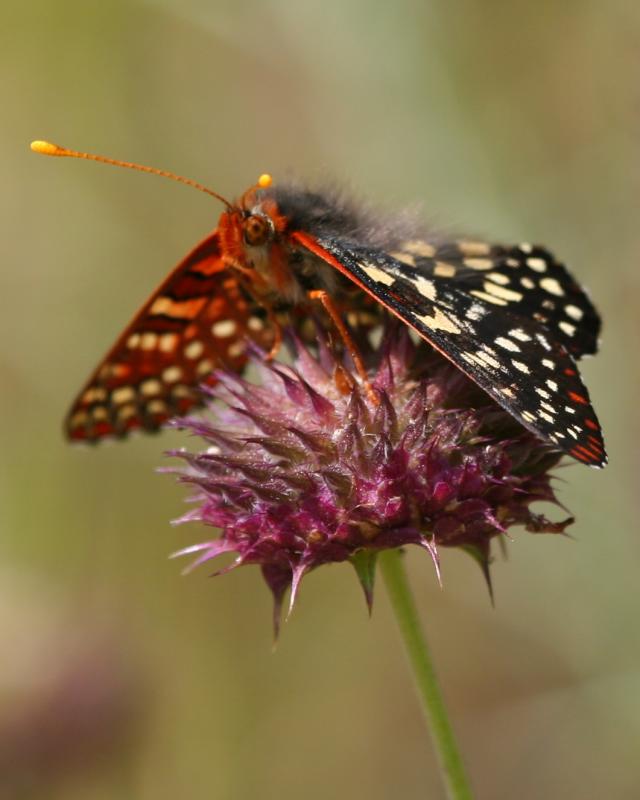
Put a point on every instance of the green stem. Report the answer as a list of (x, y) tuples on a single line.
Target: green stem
[(433, 706)]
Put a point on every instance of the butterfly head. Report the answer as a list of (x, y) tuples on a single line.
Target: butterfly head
[(253, 238), (260, 219)]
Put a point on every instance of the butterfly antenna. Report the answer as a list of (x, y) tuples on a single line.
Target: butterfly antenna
[(49, 149)]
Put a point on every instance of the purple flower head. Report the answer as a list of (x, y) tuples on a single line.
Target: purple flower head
[(302, 469)]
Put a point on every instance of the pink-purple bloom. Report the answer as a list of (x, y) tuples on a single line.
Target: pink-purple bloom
[(300, 468)]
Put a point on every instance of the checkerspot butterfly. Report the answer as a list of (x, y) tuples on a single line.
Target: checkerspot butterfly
[(510, 317)]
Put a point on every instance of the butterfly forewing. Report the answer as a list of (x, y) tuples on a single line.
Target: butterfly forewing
[(198, 319), (525, 279), (516, 359)]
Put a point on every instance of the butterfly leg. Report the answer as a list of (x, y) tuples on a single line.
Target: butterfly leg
[(277, 335), (333, 312)]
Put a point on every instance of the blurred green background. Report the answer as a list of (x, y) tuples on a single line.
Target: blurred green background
[(510, 120)]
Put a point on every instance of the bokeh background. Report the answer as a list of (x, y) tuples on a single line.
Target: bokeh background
[(118, 677)]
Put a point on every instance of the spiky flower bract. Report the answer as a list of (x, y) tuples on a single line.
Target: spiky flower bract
[(301, 468)]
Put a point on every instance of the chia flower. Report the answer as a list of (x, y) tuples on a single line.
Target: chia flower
[(301, 468)]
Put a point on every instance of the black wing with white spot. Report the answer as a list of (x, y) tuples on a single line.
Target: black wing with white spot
[(516, 359), (527, 279)]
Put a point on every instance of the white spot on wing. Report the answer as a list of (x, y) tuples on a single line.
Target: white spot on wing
[(498, 277), (543, 341), (444, 270), (552, 286), (518, 333), (168, 342), (567, 327), (95, 394), (126, 412), (476, 312), (378, 275), (151, 387), (224, 328), (468, 357), (537, 264), (236, 349), (492, 362), (478, 263), (438, 322), (194, 349), (172, 374), (124, 394), (574, 312), (425, 287), (501, 292), (78, 419), (405, 258), (501, 341), (157, 407), (488, 298), (204, 367), (255, 324), (149, 341), (469, 248), (519, 365), (420, 248)]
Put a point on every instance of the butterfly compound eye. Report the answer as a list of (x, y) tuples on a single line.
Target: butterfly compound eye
[(257, 230)]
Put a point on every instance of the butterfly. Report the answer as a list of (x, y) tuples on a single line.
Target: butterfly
[(510, 317)]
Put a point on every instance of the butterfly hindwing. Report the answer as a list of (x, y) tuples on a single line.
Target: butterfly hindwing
[(199, 318), (515, 359)]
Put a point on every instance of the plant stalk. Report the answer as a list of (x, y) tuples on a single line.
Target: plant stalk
[(432, 701)]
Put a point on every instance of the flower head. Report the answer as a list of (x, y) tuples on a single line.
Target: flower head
[(302, 469)]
